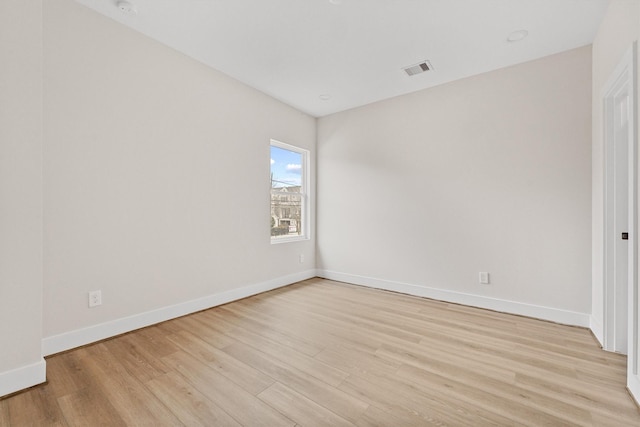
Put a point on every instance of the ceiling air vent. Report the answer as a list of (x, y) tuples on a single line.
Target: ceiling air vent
[(412, 70)]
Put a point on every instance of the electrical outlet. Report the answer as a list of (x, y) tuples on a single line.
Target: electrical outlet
[(484, 278), (95, 298), (301, 258)]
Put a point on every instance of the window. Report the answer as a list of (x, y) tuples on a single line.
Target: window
[(289, 188)]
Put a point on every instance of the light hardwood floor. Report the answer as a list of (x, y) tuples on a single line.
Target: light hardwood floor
[(325, 353)]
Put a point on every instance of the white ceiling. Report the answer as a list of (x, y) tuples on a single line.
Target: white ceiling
[(354, 51)]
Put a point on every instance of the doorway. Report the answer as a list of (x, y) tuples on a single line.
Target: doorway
[(620, 208)]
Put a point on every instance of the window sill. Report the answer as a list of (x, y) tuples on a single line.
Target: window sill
[(288, 239)]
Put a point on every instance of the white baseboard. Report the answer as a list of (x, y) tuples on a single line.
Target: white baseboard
[(597, 329), (512, 307), (633, 385), (23, 377), (76, 338)]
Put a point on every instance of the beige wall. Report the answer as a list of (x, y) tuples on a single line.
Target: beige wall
[(20, 194), (489, 173), (156, 175), (615, 36)]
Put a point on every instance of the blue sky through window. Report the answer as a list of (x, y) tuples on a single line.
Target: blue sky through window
[(286, 167)]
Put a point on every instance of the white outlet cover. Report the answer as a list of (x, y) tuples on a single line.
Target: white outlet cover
[(484, 278), (126, 7), (95, 298)]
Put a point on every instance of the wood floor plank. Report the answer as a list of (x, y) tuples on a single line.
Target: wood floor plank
[(299, 408), (233, 399), (492, 359), (138, 359), (375, 417), (600, 402), (272, 332), (243, 375), (4, 412), (326, 353), (354, 361), (154, 341), (205, 331), (230, 325), (190, 406), (600, 420), (336, 331), (510, 401), (348, 333), (404, 402), (289, 318), (506, 337), (49, 413), (310, 365), (340, 403), (88, 407), (133, 401), (352, 314), (69, 374)]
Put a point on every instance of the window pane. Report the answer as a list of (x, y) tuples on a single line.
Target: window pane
[(286, 214), (288, 192), (286, 170)]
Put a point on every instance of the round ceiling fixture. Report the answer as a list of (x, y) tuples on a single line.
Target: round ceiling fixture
[(516, 36), (325, 97), (126, 7)]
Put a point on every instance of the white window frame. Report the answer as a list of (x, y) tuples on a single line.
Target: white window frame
[(304, 194)]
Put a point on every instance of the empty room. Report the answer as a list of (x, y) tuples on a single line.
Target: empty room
[(319, 213)]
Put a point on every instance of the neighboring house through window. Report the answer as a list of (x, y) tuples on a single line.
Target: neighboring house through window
[(289, 192)]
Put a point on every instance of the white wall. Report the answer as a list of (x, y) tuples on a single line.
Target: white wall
[(21, 363), (617, 32), (156, 181), (492, 173)]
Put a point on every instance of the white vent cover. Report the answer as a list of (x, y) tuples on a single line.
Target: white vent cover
[(412, 70)]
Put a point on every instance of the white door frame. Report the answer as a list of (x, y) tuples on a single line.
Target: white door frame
[(626, 72), (622, 79)]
